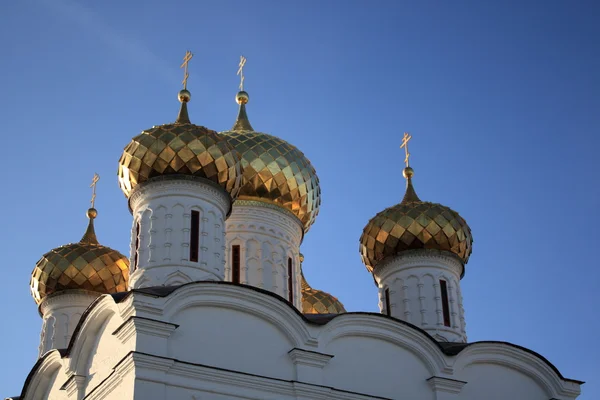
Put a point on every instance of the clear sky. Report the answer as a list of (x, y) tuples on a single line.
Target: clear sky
[(502, 99)]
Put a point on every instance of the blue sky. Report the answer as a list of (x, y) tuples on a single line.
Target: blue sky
[(501, 98)]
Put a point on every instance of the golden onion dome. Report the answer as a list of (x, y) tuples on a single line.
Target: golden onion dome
[(86, 265), (319, 302), (180, 148), (275, 171), (414, 224)]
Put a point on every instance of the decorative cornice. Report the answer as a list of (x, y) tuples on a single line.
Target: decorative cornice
[(416, 259), (446, 385), (183, 185), (267, 204), (256, 213), (140, 325), (309, 358), (67, 298), (73, 385)]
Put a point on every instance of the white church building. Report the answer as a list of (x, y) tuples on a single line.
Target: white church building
[(211, 303)]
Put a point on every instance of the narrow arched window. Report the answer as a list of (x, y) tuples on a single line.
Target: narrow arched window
[(235, 263), (137, 246), (290, 281), (445, 305), (388, 307), (194, 236)]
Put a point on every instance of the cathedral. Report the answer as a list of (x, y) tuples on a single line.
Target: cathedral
[(211, 302)]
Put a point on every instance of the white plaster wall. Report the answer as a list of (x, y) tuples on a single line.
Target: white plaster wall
[(497, 382), (230, 339), (61, 313), (415, 294), (267, 236), (376, 367), (226, 341), (163, 210)]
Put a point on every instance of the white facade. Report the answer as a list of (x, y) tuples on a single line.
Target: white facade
[(411, 284), (211, 340), (269, 240), (162, 231), (60, 315)]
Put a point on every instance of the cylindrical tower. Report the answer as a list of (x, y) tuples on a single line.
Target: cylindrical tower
[(67, 279), (180, 180), (278, 202), (416, 251)]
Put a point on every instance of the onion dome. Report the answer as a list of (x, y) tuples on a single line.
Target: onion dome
[(86, 265), (275, 171), (180, 148), (414, 224), (318, 302)]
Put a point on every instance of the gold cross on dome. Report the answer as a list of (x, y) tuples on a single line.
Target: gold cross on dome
[(405, 139), (186, 59), (95, 180), (241, 71)]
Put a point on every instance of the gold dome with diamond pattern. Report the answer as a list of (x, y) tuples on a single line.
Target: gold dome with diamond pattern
[(414, 224), (275, 171), (180, 148), (86, 265), (318, 302)]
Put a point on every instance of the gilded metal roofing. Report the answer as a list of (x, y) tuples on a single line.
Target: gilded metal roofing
[(84, 265), (181, 148), (319, 302), (275, 171), (414, 224)]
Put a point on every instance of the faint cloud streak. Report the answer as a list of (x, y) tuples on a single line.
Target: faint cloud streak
[(129, 48)]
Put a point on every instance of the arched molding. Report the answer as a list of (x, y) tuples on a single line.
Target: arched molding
[(42, 376), (388, 330), (177, 278), (418, 259), (86, 335), (518, 359), (272, 310), (192, 188)]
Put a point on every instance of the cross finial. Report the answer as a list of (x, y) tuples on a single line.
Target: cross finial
[(241, 72), (95, 180), (186, 59), (405, 139)]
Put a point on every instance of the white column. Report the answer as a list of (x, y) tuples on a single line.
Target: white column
[(417, 274), (163, 209), (270, 235), (61, 313)]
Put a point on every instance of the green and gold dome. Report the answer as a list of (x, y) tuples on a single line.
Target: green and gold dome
[(275, 171), (180, 148), (85, 265), (414, 224)]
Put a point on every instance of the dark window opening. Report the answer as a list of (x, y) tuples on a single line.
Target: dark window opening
[(195, 236), (445, 306), (290, 281), (388, 307), (137, 246), (235, 264)]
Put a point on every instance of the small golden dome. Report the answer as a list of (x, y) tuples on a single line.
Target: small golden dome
[(319, 302), (85, 265), (181, 148), (275, 171), (414, 224)]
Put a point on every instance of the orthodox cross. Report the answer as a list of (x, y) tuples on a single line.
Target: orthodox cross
[(241, 71), (93, 186), (404, 146), (186, 59)]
